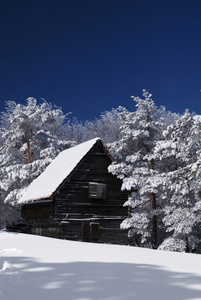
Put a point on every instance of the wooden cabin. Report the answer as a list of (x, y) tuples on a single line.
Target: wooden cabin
[(76, 198)]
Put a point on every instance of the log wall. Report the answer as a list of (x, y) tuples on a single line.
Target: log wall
[(73, 215)]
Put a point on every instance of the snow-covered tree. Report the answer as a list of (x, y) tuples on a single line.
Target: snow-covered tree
[(33, 134), (179, 153), (139, 172), (106, 127), (29, 129)]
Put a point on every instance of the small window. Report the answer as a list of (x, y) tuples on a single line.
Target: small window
[(97, 190), (85, 231), (39, 231), (94, 230), (90, 231), (52, 231)]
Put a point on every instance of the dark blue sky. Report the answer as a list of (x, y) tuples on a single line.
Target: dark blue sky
[(88, 56)]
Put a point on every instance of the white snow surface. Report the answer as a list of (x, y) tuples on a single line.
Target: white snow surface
[(56, 172), (34, 267)]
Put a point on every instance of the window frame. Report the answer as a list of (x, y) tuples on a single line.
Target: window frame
[(97, 190)]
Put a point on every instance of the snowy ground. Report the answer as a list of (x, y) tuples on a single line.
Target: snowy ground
[(33, 267)]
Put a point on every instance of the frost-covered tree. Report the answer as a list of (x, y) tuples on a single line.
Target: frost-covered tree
[(106, 127), (179, 153), (139, 172), (29, 129), (33, 134)]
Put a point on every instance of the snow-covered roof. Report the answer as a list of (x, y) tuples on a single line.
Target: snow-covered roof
[(56, 172)]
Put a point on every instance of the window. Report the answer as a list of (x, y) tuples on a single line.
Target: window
[(94, 230), (97, 190), (39, 231), (85, 231), (90, 231), (52, 231)]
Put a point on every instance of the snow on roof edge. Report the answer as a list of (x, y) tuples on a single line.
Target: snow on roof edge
[(48, 181)]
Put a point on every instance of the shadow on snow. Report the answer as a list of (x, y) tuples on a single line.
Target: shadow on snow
[(24, 278)]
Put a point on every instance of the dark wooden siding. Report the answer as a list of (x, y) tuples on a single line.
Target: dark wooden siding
[(72, 208), (74, 205), (109, 231), (37, 211)]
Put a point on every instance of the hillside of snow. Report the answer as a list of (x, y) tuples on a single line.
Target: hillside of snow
[(34, 267)]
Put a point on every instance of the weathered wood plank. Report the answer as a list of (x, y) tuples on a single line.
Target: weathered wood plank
[(71, 204)]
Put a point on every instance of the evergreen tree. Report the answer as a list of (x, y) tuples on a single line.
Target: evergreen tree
[(135, 165), (179, 153), (106, 127), (33, 135)]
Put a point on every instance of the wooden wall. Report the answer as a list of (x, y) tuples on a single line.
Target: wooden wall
[(75, 215)]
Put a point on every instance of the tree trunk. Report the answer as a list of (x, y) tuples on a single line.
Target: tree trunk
[(29, 155), (154, 223), (154, 217)]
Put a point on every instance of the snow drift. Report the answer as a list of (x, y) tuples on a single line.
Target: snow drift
[(34, 267)]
